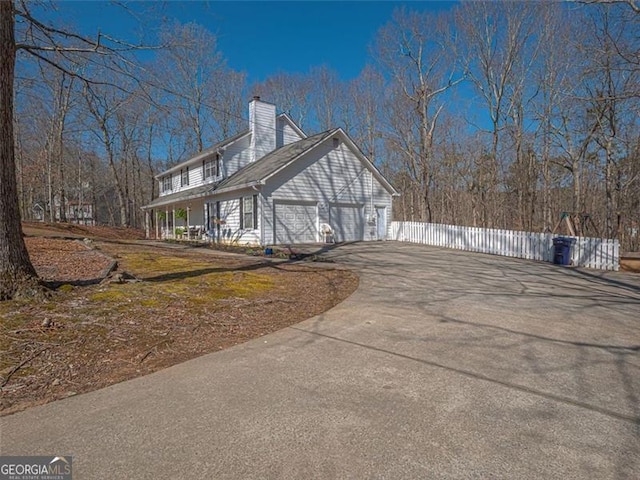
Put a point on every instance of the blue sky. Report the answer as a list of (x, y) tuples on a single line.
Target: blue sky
[(260, 38)]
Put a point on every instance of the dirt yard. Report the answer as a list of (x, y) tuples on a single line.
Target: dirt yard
[(179, 304)]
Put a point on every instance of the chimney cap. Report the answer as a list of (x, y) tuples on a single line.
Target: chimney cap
[(256, 97)]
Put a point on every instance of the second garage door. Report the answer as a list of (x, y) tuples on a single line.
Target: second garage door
[(347, 221), (295, 223)]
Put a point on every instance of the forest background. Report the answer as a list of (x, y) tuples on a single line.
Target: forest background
[(497, 114)]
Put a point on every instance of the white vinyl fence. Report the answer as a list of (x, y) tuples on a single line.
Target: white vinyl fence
[(587, 252)]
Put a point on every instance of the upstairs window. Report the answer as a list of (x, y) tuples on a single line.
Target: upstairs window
[(184, 177), (212, 168), (249, 212), (166, 183)]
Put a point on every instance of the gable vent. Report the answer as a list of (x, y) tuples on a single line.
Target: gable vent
[(336, 142)]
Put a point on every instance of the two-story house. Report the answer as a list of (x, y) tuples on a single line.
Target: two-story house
[(272, 184)]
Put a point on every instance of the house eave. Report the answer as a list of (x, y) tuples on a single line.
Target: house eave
[(171, 199), (243, 186), (162, 202)]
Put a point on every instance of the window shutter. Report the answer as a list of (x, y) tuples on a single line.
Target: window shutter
[(255, 211), (241, 213)]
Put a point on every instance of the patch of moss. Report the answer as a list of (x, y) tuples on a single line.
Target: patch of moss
[(150, 302), (65, 288), (146, 264), (189, 283), (111, 294), (14, 320)]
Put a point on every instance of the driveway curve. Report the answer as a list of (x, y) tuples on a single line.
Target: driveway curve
[(443, 364)]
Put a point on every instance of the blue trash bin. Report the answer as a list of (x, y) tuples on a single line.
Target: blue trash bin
[(562, 250)]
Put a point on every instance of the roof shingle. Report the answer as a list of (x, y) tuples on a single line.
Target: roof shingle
[(271, 163)]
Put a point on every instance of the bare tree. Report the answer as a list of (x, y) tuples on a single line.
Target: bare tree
[(633, 4), (58, 87), (44, 43), (494, 38), (17, 275), (415, 51), (190, 72), (327, 96), (290, 92), (105, 106), (366, 94), (609, 80)]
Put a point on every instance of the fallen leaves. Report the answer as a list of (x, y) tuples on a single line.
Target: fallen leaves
[(188, 303)]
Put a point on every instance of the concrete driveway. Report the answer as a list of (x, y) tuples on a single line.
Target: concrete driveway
[(443, 364)]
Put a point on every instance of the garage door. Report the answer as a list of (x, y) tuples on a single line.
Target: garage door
[(347, 222), (295, 223)]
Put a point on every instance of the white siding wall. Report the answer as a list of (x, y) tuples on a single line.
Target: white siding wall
[(285, 134), (195, 178), (236, 156), (328, 175), (230, 213)]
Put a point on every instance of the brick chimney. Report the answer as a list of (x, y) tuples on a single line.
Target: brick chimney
[(262, 123)]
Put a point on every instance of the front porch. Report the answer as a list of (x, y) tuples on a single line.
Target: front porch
[(179, 221)]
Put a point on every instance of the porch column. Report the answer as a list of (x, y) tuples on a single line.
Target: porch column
[(206, 220), (188, 229), (166, 223), (173, 221), (157, 226), (147, 221)]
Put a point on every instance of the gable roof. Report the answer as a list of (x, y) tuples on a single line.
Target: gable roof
[(204, 153), (251, 174), (256, 173), (292, 124), (271, 163), (368, 163)]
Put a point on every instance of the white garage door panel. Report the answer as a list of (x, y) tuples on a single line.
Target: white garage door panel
[(347, 222), (295, 223)]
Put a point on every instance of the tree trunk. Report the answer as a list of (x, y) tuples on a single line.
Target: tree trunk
[(17, 275), (609, 188), (577, 188)]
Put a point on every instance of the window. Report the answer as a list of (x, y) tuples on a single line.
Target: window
[(166, 183), (211, 168), (249, 212), (184, 177)]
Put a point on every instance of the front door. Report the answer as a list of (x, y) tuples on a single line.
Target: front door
[(381, 222)]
